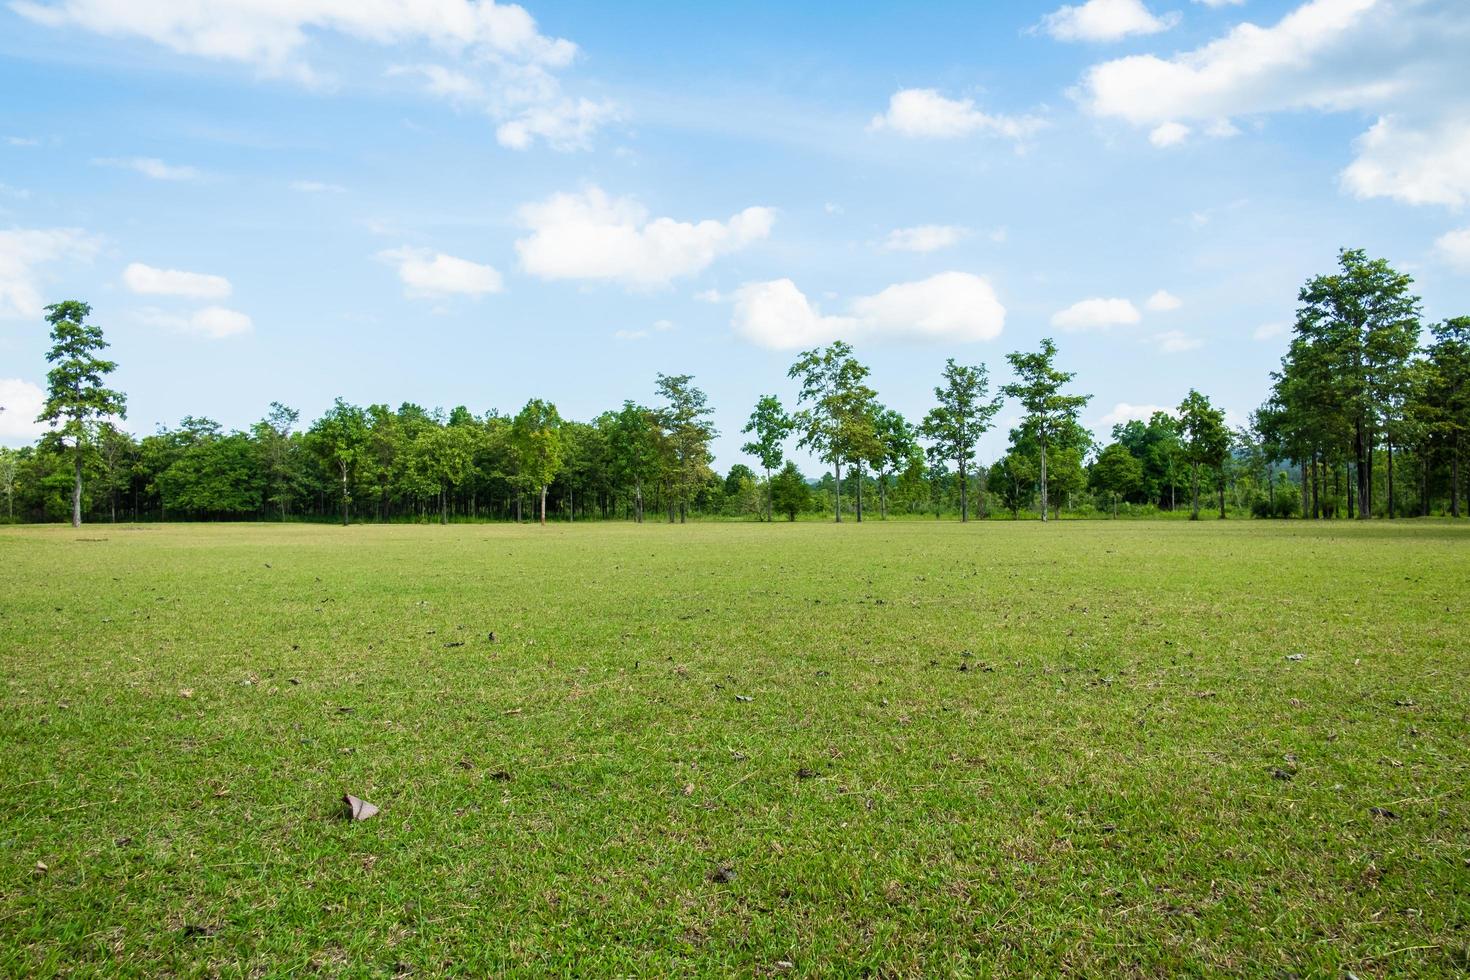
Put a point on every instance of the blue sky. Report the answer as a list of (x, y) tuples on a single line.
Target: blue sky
[(452, 202)]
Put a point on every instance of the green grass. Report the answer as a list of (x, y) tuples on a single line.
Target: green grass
[(1033, 749)]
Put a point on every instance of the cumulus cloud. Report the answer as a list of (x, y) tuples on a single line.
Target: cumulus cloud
[(957, 307), (20, 403), (592, 236), (149, 167), (426, 273), (149, 281), (1454, 248), (1096, 314), (1415, 165), (923, 112), (1105, 20), (212, 322), (505, 64), (23, 251), (1401, 60), (925, 238), (1176, 341), (1163, 301), (1124, 412)]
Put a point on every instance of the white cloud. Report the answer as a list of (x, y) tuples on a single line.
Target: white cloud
[(22, 141), (1415, 165), (1454, 248), (426, 273), (271, 34), (1168, 134), (23, 251), (925, 238), (957, 307), (630, 334), (508, 65), (923, 112), (1270, 331), (1221, 3), (592, 236), (1096, 314), (148, 281), (212, 322), (149, 167), (831, 208), (1163, 301), (1176, 341), (317, 187), (1124, 412), (20, 403), (1105, 20)]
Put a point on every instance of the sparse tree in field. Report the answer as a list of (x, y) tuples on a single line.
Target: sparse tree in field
[(1039, 390), (688, 431), (1117, 472), (771, 427), (789, 491), (77, 399), (836, 421), (1013, 479), (273, 442), (962, 416), (1206, 442), (537, 443), (894, 444), (340, 438)]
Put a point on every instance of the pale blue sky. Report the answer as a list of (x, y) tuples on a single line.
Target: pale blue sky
[(451, 203)]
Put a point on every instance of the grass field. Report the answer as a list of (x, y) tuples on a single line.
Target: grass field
[(903, 749)]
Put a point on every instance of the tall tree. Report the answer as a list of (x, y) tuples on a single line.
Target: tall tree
[(340, 438), (1039, 390), (771, 427), (9, 472), (962, 416), (273, 442), (1206, 442), (537, 443), (836, 420), (1364, 322), (895, 445), (77, 397), (1449, 395), (686, 424)]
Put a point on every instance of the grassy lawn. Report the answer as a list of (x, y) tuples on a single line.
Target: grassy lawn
[(912, 748)]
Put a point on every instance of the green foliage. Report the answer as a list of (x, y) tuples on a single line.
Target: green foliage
[(1204, 440), (790, 494), (962, 416), (1116, 473), (836, 423), (1047, 410), (536, 442)]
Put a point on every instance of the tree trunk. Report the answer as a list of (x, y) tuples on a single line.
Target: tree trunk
[(1194, 492), (859, 481), (1362, 448), (770, 495), (1115, 506), (76, 490), (518, 508), (1390, 478), (1222, 494), (1454, 480), (638, 502), (883, 496), (837, 488), (964, 494), (344, 494), (1043, 482), (543, 505), (443, 507)]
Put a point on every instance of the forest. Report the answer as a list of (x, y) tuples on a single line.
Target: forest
[(1368, 416)]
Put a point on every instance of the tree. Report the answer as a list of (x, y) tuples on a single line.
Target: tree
[(1363, 323), (1013, 479), (1039, 390), (686, 425), (273, 443), (894, 442), (340, 438), (789, 491), (1117, 472), (77, 399), (771, 427), (962, 416), (442, 458), (536, 441), (633, 449), (1206, 442), (836, 420)]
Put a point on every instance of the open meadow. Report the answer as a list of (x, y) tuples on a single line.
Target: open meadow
[(1149, 748)]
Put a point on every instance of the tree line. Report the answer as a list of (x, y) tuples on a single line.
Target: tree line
[(1359, 410)]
